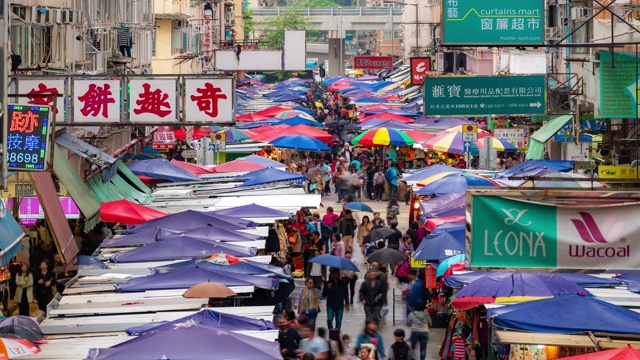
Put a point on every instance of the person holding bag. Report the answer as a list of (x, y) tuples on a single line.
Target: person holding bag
[(24, 290)]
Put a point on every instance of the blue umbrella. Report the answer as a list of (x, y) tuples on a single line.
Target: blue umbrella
[(358, 206), (455, 183), (299, 142), (449, 262), (439, 247), (334, 261)]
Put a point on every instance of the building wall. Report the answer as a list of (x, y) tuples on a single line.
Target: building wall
[(480, 62)]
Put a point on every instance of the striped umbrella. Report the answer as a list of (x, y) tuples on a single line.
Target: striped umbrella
[(450, 142), (497, 144), (419, 136), (234, 136), (382, 137), (293, 113)]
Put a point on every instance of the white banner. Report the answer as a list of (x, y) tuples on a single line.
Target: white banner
[(96, 100), (153, 100), (514, 136), (209, 100), (44, 87)]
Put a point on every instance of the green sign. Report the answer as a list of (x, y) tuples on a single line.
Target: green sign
[(490, 22), (618, 86), (485, 95)]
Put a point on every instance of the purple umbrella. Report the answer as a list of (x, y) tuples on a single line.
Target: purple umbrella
[(448, 205), (185, 277), (192, 219), (253, 211), (190, 341), (160, 169), (185, 248), (208, 232)]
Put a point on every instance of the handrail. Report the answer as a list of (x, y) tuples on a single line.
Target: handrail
[(357, 11)]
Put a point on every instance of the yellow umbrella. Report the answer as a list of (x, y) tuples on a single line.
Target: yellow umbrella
[(432, 178)]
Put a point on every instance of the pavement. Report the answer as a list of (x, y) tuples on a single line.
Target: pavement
[(353, 321)]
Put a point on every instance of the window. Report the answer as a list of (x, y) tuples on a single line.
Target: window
[(153, 44), (582, 36), (18, 35), (396, 34)]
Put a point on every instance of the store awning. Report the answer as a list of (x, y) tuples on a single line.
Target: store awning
[(10, 235), (60, 229), (79, 191), (123, 185), (86, 151), (551, 128)]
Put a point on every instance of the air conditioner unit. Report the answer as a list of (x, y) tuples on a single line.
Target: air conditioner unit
[(440, 62), (580, 14), (553, 33), (57, 16)]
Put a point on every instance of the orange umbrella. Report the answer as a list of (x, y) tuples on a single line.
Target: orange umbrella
[(127, 212), (209, 290)]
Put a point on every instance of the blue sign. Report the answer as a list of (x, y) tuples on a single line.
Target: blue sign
[(28, 137), (467, 146), (212, 146)]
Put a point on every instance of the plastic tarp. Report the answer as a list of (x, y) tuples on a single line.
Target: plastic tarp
[(270, 175), (86, 151), (535, 168), (191, 219), (207, 232), (127, 212), (161, 169), (567, 314), (584, 280), (253, 211), (535, 151), (186, 248), (147, 236), (194, 342), (209, 318), (447, 205), (195, 274), (547, 131), (246, 267)]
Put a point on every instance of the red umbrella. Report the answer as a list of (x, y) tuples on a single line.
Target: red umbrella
[(311, 131), (197, 133), (272, 111), (625, 353), (195, 169), (433, 223), (272, 132), (127, 212), (387, 116), (237, 165), (252, 117), (419, 136)]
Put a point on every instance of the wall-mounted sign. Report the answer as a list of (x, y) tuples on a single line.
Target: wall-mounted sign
[(30, 208), (487, 22), (153, 100), (209, 100), (373, 62), (420, 66), (44, 87), (28, 137), (618, 85), (515, 137), (485, 95), (96, 101)]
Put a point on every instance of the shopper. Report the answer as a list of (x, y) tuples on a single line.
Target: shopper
[(364, 230), (400, 350), (337, 295), (347, 229), (373, 296), (288, 338), (24, 290), (419, 320), (43, 286), (308, 301), (310, 343), (371, 336)]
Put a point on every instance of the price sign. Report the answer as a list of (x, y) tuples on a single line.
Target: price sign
[(28, 137)]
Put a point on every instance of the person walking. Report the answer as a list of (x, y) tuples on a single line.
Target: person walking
[(322, 228), (350, 277), (347, 229), (393, 240), (330, 217), (325, 171), (315, 271), (400, 350), (416, 294), (308, 300), (337, 295), (24, 290), (337, 246), (42, 288), (419, 320), (363, 231), (392, 176), (310, 343), (373, 295), (378, 184), (378, 221), (288, 338), (370, 174), (370, 335)]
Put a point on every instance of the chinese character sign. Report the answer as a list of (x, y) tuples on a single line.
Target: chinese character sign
[(420, 66), (44, 87), (27, 138), (487, 22), (514, 136), (96, 101), (485, 95), (209, 100), (152, 100), (164, 138)]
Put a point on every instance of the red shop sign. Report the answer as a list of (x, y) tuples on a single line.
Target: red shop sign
[(373, 62), (420, 66)]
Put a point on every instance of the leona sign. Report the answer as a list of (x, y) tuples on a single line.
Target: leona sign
[(518, 234), (373, 62), (490, 22), (485, 95)]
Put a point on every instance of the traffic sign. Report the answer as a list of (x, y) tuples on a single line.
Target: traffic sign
[(220, 136), (467, 146), (469, 132), (470, 128), (221, 145), (212, 146)]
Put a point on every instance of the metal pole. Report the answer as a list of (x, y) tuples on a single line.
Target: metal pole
[(4, 78), (393, 38), (341, 44), (417, 52)]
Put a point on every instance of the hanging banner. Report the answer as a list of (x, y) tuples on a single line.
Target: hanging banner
[(96, 101), (28, 137), (153, 100), (511, 233), (45, 87), (420, 66), (30, 208), (209, 100), (618, 85)]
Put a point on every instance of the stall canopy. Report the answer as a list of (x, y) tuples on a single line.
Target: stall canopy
[(122, 185), (264, 161), (270, 175), (186, 248), (209, 231), (534, 168), (77, 188), (10, 235), (567, 314), (62, 235), (448, 205), (86, 151), (253, 211), (243, 267), (238, 166), (584, 280), (127, 212), (438, 247), (195, 169), (190, 341), (194, 274), (209, 318), (191, 219), (161, 169)]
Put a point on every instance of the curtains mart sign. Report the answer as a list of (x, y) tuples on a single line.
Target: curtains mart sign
[(490, 22), (520, 234)]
